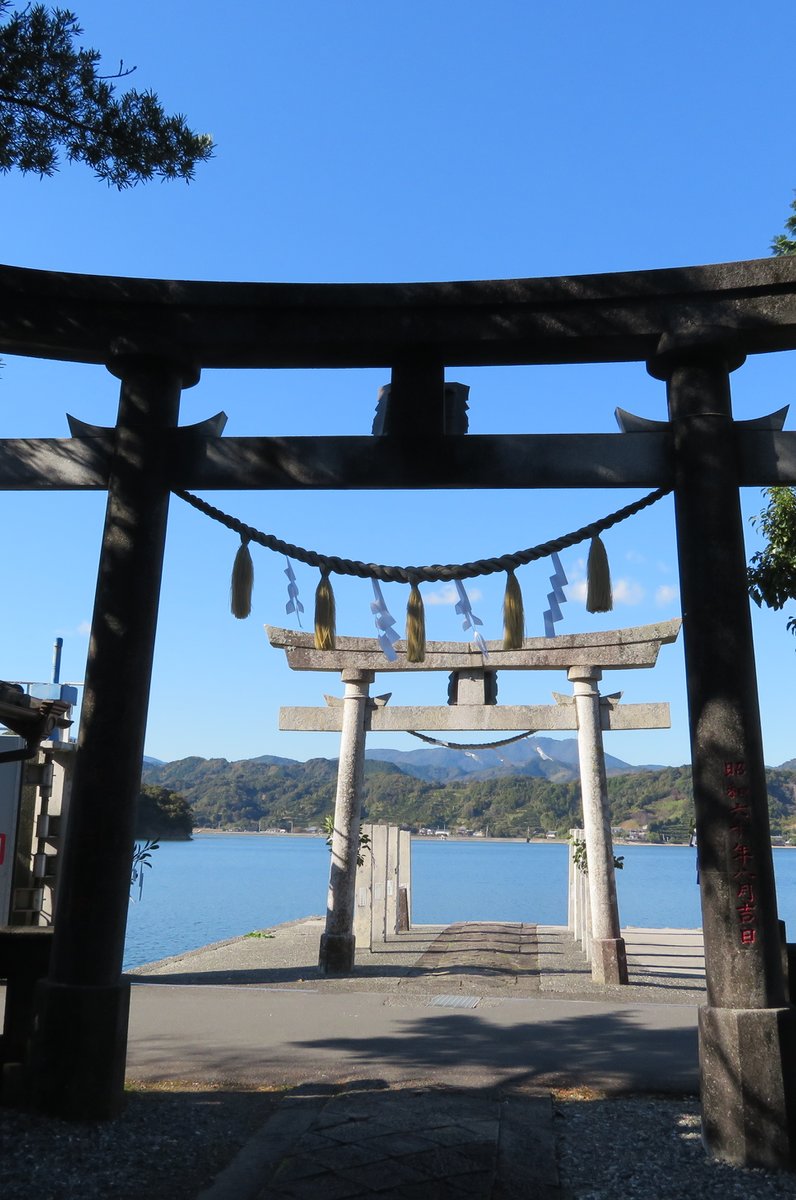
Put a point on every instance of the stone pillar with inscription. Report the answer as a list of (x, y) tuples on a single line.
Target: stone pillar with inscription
[(336, 955), (747, 1031), (80, 1040), (608, 958)]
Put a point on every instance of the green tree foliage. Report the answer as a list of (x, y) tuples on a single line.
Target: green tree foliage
[(784, 243), (772, 571), (163, 815), (239, 795), (54, 100)]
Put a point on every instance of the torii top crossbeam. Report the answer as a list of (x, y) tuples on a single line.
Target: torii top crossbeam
[(617, 317), (611, 650)]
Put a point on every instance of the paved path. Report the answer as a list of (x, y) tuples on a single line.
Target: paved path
[(486, 953), (471, 1005), (428, 1072), (399, 1146)]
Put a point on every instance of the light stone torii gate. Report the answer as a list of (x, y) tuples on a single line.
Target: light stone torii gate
[(583, 656), (690, 326)]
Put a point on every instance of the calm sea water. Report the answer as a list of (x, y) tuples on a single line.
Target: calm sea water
[(223, 885)]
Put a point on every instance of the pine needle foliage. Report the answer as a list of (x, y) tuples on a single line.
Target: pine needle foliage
[(54, 101)]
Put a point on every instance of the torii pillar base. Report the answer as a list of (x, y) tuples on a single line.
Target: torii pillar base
[(746, 1063), (608, 960), (336, 953), (72, 1073)]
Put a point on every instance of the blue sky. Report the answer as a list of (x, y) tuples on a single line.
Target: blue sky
[(411, 141)]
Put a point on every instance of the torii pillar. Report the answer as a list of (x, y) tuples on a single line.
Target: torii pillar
[(608, 957), (336, 954), (747, 1030), (78, 1048)]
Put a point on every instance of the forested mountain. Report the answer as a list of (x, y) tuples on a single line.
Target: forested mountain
[(163, 815), (268, 791), (544, 757)]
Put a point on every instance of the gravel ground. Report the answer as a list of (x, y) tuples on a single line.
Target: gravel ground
[(170, 1145), (650, 1149)]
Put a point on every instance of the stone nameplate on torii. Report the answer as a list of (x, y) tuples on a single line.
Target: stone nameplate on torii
[(472, 706)]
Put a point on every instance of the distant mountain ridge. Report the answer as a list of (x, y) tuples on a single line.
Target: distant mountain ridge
[(513, 795), (537, 757)]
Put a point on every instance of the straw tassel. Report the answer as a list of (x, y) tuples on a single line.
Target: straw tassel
[(324, 614), (599, 597), (242, 582), (513, 614), (415, 627)]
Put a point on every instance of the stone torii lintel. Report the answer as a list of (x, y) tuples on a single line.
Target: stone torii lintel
[(620, 649), (487, 718)]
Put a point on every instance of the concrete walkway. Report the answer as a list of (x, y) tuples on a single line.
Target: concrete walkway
[(428, 1072)]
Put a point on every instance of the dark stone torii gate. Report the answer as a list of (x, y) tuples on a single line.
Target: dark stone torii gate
[(692, 327)]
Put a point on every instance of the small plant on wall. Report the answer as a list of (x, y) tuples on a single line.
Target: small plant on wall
[(582, 862), (364, 839)]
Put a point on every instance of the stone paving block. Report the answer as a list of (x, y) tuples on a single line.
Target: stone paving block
[(456, 1135), (483, 1129), (443, 1162), (441, 1189), (332, 1116), (404, 1117), (392, 1173), (339, 1155), (299, 1166), (455, 1108), (355, 1131), (405, 1145), (321, 1187), (527, 1149), (479, 1183), (476, 1150), (312, 1141), (398, 1144)]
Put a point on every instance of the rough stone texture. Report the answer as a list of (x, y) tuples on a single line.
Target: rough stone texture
[(747, 1060), (78, 1043), (473, 716), (750, 1086), (608, 960), (408, 1144), (607, 949), (578, 906), (404, 879), (482, 952), (337, 946), (378, 913), (391, 884), (384, 870), (612, 317), (363, 894), (77, 1060), (636, 646), (336, 953)]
